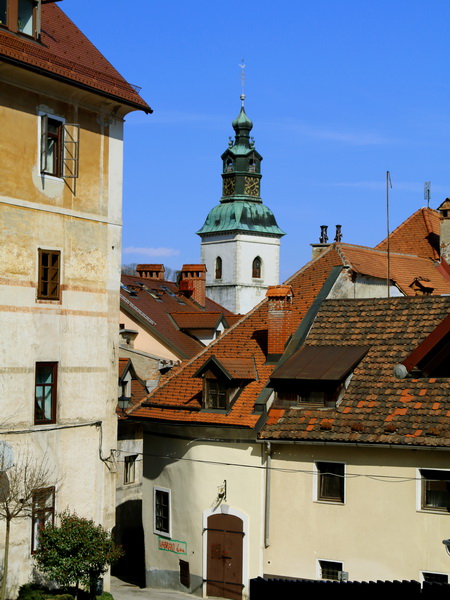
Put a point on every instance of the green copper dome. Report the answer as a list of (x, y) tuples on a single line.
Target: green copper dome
[(241, 215), (242, 122)]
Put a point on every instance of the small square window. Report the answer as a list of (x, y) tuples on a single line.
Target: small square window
[(435, 490), (49, 275), (330, 481), (330, 570), (161, 508), (130, 469), (45, 393), (43, 513)]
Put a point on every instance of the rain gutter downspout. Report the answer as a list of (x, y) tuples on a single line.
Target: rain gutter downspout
[(268, 449)]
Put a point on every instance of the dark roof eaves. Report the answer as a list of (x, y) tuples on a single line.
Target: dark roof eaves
[(74, 82)]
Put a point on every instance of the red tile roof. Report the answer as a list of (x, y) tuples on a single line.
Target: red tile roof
[(377, 408), (404, 268), (418, 235), (65, 53), (159, 300), (179, 397)]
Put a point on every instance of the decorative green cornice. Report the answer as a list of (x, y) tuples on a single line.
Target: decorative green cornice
[(241, 215)]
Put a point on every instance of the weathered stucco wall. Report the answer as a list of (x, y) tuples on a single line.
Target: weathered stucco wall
[(82, 219)]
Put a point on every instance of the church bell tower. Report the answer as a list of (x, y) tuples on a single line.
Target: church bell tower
[(240, 238)]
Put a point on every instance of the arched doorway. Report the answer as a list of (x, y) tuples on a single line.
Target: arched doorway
[(224, 556)]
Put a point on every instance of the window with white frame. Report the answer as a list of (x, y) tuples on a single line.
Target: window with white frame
[(59, 147), (430, 577), (330, 482), (161, 511), (435, 490)]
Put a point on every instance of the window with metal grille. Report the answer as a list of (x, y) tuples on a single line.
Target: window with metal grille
[(43, 513), (49, 275), (45, 392), (330, 570), (161, 507), (330, 481)]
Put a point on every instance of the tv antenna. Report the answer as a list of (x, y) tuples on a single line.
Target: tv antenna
[(427, 192), (388, 185), (242, 65)]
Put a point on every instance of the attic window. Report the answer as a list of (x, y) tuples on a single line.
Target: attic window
[(21, 16), (316, 375)]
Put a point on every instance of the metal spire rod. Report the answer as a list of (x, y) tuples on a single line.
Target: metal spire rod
[(242, 65)]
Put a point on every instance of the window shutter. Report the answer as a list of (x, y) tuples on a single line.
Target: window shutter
[(70, 150), (44, 144)]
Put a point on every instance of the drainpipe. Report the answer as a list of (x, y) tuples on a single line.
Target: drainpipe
[(267, 507)]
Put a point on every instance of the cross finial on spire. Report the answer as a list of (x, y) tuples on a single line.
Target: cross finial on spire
[(242, 65)]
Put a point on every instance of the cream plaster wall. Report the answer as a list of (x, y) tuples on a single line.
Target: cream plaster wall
[(194, 469), (82, 219), (144, 340), (378, 533)]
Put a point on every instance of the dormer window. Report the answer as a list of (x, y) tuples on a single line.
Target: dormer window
[(223, 379), (21, 16), (316, 376), (216, 394)]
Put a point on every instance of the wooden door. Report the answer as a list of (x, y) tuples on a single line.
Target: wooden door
[(224, 560)]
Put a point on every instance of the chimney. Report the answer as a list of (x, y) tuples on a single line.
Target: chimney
[(193, 282), (150, 271), (279, 319), (444, 209), (323, 242)]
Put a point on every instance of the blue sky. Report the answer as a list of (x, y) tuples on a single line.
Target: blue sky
[(339, 92)]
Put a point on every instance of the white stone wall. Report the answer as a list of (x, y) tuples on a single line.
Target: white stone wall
[(237, 290)]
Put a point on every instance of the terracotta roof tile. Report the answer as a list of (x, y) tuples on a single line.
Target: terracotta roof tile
[(418, 235), (66, 53), (394, 411)]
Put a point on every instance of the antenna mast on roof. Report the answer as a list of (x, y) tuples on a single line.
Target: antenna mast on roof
[(242, 65), (388, 184), (427, 192)]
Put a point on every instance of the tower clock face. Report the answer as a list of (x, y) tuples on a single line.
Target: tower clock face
[(251, 186), (228, 186)]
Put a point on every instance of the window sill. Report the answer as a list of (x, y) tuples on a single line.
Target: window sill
[(434, 511), (329, 501)]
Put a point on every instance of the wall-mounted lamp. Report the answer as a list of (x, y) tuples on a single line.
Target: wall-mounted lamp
[(124, 403), (222, 491)]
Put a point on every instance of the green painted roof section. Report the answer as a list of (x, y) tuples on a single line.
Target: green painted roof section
[(241, 215)]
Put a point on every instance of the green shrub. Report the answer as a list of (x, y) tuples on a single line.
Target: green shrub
[(31, 591)]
